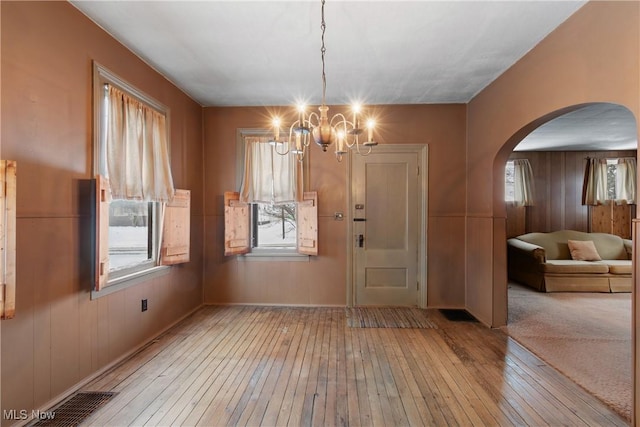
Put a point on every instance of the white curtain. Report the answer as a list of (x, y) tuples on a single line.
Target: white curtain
[(626, 174), (269, 177), (594, 190), (136, 148), (523, 182)]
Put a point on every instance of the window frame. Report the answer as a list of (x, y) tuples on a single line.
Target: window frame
[(125, 277), (266, 253)]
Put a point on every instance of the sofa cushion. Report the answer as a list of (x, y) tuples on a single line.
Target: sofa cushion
[(619, 266), (583, 250), (575, 267)]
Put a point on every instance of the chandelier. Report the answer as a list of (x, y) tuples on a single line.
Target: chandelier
[(344, 133)]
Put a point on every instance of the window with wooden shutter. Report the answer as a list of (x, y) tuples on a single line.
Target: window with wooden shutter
[(262, 219), (176, 230), (175, 241), (132, 238), (102, 233), (8, 169), (236, 225), (308, 224)]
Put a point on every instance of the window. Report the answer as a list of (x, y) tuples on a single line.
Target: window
[(509, 182), (134, 192), (609, 179), (273, 226), (265, 216), (132, 234), (272, 183), (518, 182), (621, 178)]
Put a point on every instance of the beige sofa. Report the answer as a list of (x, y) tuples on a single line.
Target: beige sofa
[(543, 261)]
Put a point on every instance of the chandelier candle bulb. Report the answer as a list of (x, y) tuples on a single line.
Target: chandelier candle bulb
[(340, 143), (301, 116), (298, 142), (356, 109), (276, 129)]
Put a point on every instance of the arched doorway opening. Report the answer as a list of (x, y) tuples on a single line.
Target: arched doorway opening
[(572, 150)]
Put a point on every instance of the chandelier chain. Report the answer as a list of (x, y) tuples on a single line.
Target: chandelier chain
[(323, 50)]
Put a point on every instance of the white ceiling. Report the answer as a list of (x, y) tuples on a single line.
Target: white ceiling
[(244, 53), (596, 127)]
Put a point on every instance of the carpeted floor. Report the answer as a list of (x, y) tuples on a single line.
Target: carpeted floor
[(586, 336)]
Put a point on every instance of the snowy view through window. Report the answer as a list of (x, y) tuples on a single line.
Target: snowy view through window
[(128, 233), (509, 182), (275, 225)]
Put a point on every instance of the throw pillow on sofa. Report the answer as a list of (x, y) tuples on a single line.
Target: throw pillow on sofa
[(583, 250)]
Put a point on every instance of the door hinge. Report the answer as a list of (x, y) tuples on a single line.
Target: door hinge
[(417, 286), (418, 170), (3, 289)]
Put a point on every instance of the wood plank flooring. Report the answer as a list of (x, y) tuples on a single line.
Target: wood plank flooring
[(280, 366)]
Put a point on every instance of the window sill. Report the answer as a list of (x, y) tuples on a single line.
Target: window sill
[(124, 282), (282, 255)]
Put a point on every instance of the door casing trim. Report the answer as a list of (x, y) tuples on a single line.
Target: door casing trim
[(423, 160)]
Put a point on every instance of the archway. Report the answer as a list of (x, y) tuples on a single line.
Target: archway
[(498, 180)]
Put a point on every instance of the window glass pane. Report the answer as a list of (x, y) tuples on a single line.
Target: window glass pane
[(509, 182), (612, 170), (129, 234), (276, 225)]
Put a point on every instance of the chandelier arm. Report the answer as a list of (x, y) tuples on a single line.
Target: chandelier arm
[(364, 154), (275, 148), (313, 118), (340, 117)]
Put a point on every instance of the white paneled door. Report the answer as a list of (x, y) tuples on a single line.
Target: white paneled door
[(386, 202)]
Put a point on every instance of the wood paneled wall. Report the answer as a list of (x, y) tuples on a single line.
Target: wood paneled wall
[(558, 177), (60, 336)]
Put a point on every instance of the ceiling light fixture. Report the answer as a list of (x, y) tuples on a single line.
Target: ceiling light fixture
[(344, 133)]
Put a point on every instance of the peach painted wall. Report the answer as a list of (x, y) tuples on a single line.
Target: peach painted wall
[(59, 336), (592, 57), (322, 280)]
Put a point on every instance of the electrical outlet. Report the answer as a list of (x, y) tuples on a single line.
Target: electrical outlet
[(144, 305)]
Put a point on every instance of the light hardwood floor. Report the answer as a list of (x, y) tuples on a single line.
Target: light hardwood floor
[(271, 366)]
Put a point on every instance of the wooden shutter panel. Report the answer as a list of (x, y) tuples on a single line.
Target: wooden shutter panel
[(308, 224), (8, 170), (176, 236), (236, 225), (103, 197)]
